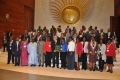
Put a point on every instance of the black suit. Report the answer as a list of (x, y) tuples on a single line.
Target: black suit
[(108, 35), (9, 34), (55, 54), (114, 33), (9, 49), (27, 37), (69, 30), (105, 38)]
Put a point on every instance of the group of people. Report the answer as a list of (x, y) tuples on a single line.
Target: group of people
[(41, 46)]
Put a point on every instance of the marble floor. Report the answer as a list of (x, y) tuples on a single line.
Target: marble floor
[(43, 71)]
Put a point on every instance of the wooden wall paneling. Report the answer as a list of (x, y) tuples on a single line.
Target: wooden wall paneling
[(15, 23)]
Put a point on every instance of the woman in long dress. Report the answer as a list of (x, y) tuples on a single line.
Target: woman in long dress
[(24, 52), (93, 48), (71, 50)]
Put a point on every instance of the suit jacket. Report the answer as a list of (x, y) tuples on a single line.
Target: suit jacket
[(85, 48), (9, 48), (91, 50), (69, 30), (112, 34), (40, 47), (14, 49), (105, 38), (28, 38), (88, 36), (9, 34), (53, 44)]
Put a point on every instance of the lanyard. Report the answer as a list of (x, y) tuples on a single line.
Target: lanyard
[(108, 46)]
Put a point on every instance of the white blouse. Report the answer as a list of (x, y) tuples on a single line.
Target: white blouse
[(58, 34), (71, 46)]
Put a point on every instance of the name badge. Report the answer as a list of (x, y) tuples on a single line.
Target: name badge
[(80, 35), (25, 46), (100, 51), (107, 50), (10, 48), (49, 45)]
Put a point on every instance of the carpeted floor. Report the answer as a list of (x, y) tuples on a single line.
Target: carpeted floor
[(11, 75)]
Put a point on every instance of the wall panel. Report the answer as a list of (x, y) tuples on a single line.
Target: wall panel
[(15, 23)]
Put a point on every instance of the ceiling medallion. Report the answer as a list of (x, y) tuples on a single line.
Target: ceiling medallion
[(70, 14)]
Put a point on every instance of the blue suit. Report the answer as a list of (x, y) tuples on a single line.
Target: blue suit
[(16, 50)]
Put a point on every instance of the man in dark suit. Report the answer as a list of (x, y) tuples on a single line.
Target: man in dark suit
[(68, 29), (104, 36), (114, 33), (25, 35), (108, 34), (54, 52), (88, 34), (9, 49), (97, 36), (9, 34), (16, 51)]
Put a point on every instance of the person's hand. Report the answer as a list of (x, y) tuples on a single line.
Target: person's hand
[(44, 53), (70, 53), (87, 54), (61, 51), (79, 55), (54, 50)]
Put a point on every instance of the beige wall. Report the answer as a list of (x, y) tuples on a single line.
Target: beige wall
[(101, 15)]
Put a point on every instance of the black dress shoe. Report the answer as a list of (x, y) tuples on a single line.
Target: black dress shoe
[(64, 67), (15, 65), (8, 63), (108, 70), (90, 69), (53, 66), (45, 65), (111, 71), (93, 69), (42, 66), (39, 65), (60, 67), (101, 70), (57, 67)]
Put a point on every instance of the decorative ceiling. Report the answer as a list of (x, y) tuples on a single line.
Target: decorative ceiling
[(71, 12)]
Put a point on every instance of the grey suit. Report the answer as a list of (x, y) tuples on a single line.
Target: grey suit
[(40, 49)]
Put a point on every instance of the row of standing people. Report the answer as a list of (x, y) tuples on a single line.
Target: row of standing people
[(33, 53)]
